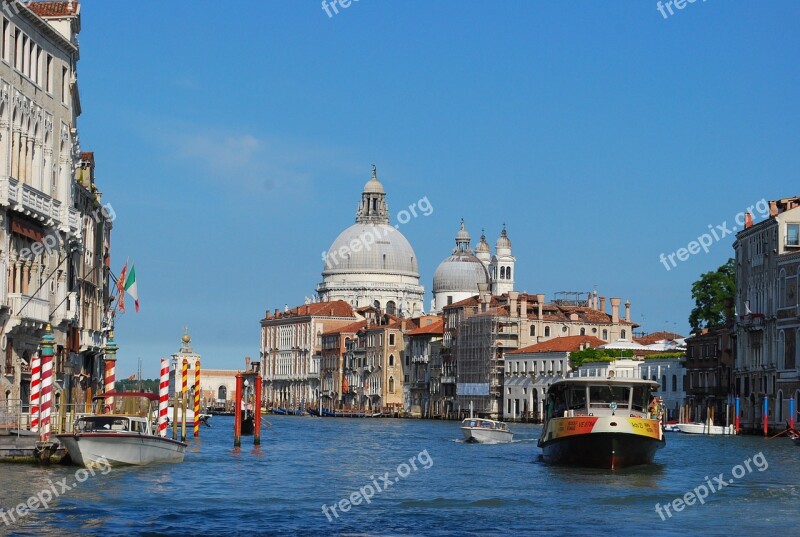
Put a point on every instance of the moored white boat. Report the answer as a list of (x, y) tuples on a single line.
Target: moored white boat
[(485, 431), (705, 428), (601, 423), (121, 437)]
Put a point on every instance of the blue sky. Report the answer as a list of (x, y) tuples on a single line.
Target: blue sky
[(233, 140)]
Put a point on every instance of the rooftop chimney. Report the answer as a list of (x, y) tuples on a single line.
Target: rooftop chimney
[(512, 297), (540, 303), (773, 208), (615, 310), (628, 310), (603, 304), (523, 306), (748, 220), (247, 363)]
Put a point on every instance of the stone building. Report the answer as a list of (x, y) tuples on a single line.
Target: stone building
[(54, 233), (766, 302)]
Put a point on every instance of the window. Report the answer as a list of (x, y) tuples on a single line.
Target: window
[(583, 331), (64, 87), (449, 299), (17, 48), (391, 384), (391, 309), (623, 334), (502, 273), (391, 360), (508, 273), (792, 234), (605, 335), (674, 383), (4, 44), (48, 74), (533, 330), (546, 331), (391, 340)]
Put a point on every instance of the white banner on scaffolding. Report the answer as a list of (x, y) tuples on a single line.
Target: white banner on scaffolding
[(472, 388)]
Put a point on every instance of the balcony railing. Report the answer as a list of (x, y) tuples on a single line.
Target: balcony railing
[(420, 359), (448, 379), (27, 307), (752, 321)]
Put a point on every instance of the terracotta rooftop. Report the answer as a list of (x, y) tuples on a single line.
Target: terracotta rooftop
[(435, 328), (54, 9), (336, 308), (657, 336), (562, 344), (351, 328)]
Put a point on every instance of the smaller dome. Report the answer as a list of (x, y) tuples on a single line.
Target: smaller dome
[(373, 185), (503, 241), (463, 234), (462, 271), (483, 246)]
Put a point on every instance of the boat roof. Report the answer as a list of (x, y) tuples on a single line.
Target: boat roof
[(605, 381)]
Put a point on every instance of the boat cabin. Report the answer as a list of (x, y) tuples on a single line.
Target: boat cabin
[(111, 423), (485, 424), (599, 397)]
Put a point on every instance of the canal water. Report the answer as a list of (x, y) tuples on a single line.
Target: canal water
[(419, 479)]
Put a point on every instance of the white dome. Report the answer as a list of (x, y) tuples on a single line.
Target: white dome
[(369, 248), (462, 271)]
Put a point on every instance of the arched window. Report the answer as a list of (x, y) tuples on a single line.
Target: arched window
[(391, 308), (502, 273), (546, 331), (533, 330), (623, 334), (391, 384), (674, 383), (583, 331), (508, 273), (377, 304), (391, 360), (663, 383), (605, 335), (222, 393)]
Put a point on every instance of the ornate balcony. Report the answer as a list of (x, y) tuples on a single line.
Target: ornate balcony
[(752, 321), (29, 308)]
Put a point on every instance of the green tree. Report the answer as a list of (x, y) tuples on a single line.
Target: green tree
[(710, 293)]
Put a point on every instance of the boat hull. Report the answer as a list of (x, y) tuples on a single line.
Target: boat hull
[(601, 442), (116, 449), (482, 435), (703, 428)]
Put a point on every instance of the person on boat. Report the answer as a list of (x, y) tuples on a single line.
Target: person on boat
[(652, 408), (560, 408)]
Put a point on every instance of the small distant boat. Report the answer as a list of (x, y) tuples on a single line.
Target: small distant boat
[(123, 436), (330, 414), (705, 428), (313, 411), (794, 435), (279, 411), (485, 431), (600, 423)]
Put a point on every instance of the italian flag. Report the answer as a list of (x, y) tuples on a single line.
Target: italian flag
[(130, 286)]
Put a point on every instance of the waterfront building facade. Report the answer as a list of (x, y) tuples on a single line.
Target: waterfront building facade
[(423, 363), (766, 367), (710, 383), (291, 349), (54, 237), (481, 330)]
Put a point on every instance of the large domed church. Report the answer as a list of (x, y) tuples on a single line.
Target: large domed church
[(371, 262)]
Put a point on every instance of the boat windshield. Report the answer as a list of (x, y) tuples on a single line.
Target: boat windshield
[(571, 399), (102, 423)]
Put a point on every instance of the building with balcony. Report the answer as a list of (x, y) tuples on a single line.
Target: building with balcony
[(55, 235), (765, 332), (291, 347), (423, 363)]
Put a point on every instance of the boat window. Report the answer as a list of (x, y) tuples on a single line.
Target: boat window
[(641, 397), (603, 396), (577, 398)]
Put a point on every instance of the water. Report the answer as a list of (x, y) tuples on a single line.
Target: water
[(456, 489)]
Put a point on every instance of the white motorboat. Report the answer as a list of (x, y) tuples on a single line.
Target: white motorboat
[(705, 428), (121, 437), (485, 431)]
